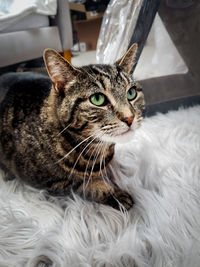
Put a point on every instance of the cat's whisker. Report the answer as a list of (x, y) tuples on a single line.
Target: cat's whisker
[(99, 143), (100, 166), (84, 178), (63, 130), (85, 172), (95, 159), (99, 136), (109, 127), (76, 147), (81, 154), (101, 162), (104, 164), (105, 179)]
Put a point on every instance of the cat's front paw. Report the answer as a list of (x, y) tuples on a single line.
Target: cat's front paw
[(120, 198)]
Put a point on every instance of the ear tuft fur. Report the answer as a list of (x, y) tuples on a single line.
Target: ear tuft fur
[(60, 71)]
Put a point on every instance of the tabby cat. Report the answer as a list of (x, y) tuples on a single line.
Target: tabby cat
[(60, 134)]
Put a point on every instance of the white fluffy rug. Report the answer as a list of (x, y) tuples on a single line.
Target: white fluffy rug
[(160, 168)]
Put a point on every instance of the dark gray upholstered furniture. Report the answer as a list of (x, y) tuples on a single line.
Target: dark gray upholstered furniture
[(182, 21)]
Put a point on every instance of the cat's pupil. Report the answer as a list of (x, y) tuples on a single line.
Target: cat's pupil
[(97, 97)]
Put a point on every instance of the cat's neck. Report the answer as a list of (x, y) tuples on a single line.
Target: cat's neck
[(84, 158), (86, 148)]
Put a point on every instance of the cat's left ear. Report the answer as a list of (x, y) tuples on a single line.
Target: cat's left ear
[(60, 71), (127, 61)]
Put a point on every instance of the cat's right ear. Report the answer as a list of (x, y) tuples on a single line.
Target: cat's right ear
[(128, 60), (60, 71)]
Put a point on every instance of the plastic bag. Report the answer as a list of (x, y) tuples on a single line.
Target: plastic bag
[(117, 28), (159, 56)]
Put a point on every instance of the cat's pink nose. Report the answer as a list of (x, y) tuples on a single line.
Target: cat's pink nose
[(128, 120)]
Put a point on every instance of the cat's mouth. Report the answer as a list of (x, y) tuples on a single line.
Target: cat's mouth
[(120, 134), (123, 135)]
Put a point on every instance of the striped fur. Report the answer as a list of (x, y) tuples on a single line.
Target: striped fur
[(54, 138)]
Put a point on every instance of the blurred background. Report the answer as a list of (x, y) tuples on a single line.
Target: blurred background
[(100, 31)]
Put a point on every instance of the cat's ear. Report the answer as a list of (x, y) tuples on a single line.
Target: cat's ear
[(127, 61), (60, 71)]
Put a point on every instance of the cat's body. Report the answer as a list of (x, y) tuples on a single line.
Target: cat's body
[(31, 140), (56, 138)]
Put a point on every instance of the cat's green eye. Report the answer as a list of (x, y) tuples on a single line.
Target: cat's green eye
[(98, 99), (131, 94)]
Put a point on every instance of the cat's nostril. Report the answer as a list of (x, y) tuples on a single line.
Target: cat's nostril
[(128, 120)]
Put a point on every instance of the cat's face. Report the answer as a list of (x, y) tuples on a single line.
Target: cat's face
[(99, 100)]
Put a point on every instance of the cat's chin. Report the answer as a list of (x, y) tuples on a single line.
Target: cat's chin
[(121, 138), (124, 137)]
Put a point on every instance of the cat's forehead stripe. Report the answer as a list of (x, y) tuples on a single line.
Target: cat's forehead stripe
[(102, 78), (101, 71), (123, 76), (106, 81), (105, 76), (101, 84), (107, 73)]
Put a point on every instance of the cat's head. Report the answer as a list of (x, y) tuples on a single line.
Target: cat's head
[(99, 100)]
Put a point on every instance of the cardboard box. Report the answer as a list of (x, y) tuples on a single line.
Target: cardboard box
[(88, 14), (88, 33)]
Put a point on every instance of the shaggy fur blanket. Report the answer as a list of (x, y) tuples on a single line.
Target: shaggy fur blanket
[(160, 167)]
